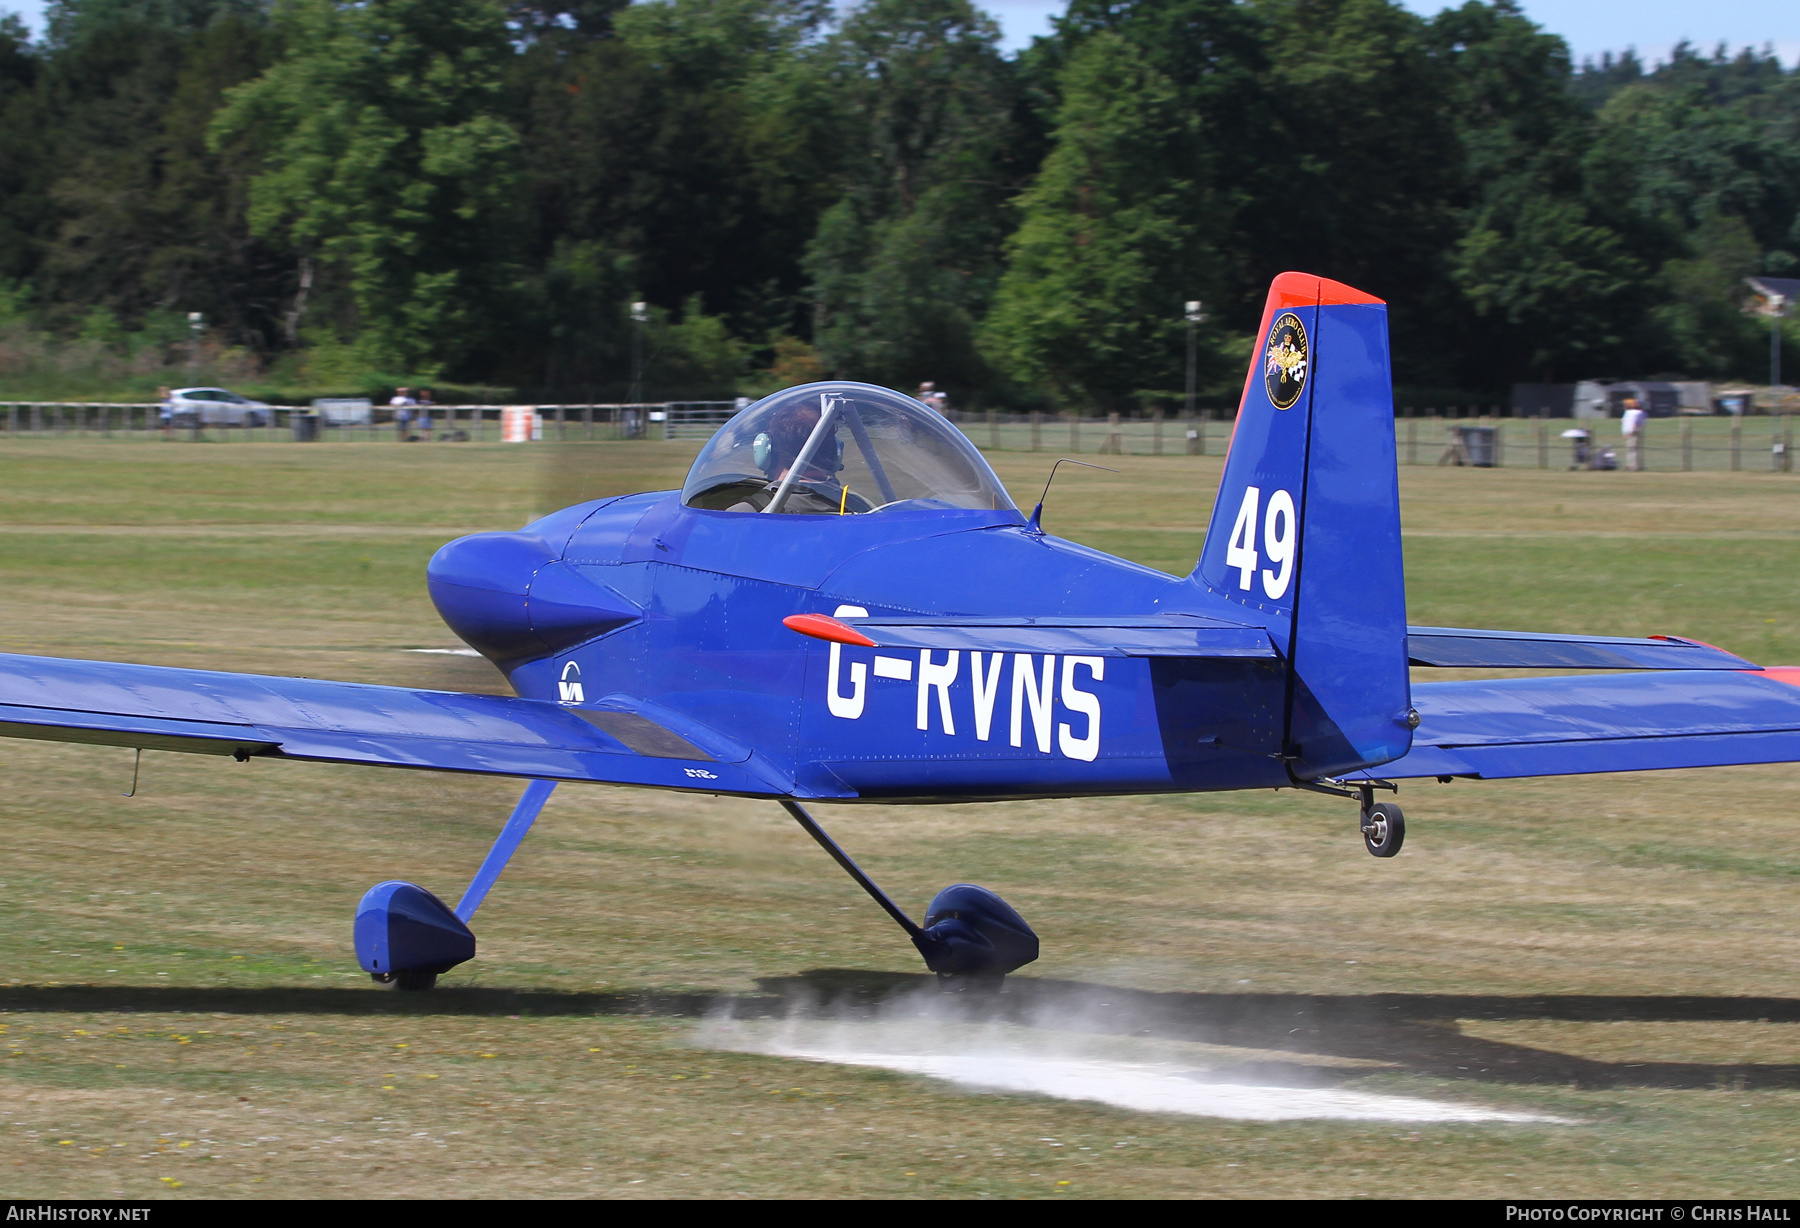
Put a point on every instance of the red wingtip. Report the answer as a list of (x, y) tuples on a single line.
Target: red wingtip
[(825, 627)]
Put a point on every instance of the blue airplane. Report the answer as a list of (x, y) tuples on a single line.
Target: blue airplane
[(842, 604)]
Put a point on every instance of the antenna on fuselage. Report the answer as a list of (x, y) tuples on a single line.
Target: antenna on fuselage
[(1037, 513)]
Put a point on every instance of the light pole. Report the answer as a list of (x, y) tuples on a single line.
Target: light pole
[(640, 316), (1195, 318), (196, 326), (1777, 309)]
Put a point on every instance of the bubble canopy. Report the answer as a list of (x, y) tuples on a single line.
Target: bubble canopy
[(840, 449)]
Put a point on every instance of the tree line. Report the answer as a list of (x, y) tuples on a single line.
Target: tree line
[(477, 192)]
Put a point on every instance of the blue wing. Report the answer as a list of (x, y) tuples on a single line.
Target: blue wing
[(617, 740), (1609, 723)]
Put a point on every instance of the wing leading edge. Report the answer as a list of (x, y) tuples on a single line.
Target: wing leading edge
[(617, 740)]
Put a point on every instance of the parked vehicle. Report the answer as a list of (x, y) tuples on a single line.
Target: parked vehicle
[(218, 407)]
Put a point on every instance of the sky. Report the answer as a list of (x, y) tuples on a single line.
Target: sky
[(1590, 26)]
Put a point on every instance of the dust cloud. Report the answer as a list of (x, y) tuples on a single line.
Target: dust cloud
[(1065, 1041)]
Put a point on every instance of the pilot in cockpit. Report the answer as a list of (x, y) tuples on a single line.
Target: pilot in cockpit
[(780, 450)]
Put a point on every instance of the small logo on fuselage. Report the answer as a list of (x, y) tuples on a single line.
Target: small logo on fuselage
[(568, 687), (1285, 360)]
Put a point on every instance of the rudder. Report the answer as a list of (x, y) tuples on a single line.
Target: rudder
[(1305, 535)]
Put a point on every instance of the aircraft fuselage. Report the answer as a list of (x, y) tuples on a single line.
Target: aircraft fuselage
[(685, 610)]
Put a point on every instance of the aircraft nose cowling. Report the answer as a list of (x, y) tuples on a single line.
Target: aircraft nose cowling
[(507, 597)]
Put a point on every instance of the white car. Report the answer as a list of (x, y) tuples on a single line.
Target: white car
[(217, 407)]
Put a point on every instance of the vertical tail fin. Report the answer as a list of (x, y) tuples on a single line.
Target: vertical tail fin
[(1305, 536)]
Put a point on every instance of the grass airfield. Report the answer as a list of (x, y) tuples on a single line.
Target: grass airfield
[(182, 1015)]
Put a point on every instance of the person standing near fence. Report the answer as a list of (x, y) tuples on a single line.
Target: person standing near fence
[(166, 411), (423, 418), (1632, 426), (402, 403)]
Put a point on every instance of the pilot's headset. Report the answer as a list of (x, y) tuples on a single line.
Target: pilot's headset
[(772, 451)]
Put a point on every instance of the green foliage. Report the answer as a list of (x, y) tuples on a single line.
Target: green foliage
[(1702, 315), (70, 22), (15, 302), (696, 146), (1678, 160), (1361, 179), (401, 190), (1695, 167), (693, 357), (102, 328), (118, 203), (24, 204), (1091, 299), (582, 297), (387, 159), (1536, 268), (903, 266), (106, 361), (1549, 286)]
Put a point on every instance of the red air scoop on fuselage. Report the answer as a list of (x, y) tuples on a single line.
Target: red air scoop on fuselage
[(825, 627)]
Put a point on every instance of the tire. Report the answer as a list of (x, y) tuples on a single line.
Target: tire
[(414, 980), (1384, 829)]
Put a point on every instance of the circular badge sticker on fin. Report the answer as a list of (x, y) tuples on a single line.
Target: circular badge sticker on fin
[(1285, 360)]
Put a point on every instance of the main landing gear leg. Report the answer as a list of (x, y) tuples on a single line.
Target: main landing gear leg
[(406, 936), (970, 937)]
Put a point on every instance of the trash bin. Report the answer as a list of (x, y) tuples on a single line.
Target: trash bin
[(306, 427), (1477, 445), (1469, 445)]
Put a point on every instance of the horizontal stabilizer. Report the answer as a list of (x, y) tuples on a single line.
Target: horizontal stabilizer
[(1152, 635), (1624, 723), (615, 740), (1457, 646)]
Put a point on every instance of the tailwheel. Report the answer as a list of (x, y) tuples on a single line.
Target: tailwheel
[(1383, 829)]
